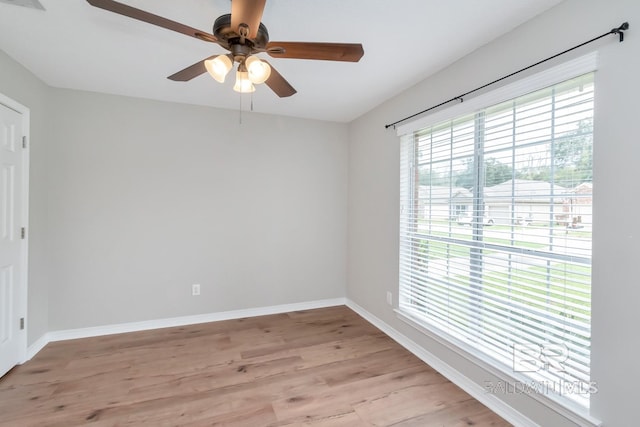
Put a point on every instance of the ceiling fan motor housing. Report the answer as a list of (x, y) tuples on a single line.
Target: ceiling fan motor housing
[(238, 45)]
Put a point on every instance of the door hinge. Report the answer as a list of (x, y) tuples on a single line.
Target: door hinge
[(21, 323), (24, 142), (23, 232)]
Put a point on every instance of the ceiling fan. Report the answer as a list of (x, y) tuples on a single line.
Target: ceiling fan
[(244, 36)]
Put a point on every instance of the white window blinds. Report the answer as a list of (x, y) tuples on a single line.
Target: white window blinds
[(495, 230)]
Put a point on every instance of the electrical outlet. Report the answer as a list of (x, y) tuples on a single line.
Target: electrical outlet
[(389, 298), (195, 289)]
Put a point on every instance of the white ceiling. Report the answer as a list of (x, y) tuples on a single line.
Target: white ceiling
[(74, 45)]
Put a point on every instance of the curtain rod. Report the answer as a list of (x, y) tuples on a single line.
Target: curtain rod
[(619, 30)]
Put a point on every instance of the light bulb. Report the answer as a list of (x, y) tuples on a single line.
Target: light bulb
[(243, 84), (259, 71), (218, 67)]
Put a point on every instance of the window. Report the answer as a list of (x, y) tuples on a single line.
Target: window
[(495, 230)]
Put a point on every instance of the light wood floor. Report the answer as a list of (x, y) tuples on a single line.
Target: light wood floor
[(325, 367)]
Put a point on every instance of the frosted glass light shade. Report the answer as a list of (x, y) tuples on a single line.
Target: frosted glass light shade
[(218, 67), (259, 71), (243, 84)]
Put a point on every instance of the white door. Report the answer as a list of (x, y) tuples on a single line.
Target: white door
[(11, 153)]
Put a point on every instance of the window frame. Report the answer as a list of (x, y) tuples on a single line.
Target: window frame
[(555, 75)]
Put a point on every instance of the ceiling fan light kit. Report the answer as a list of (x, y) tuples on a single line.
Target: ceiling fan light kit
[(259, 71), (244, 36), (219, 67), (243, 84)]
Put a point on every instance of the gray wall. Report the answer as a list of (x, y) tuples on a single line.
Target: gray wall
[(374, 192), (146, 198), (20, 85), (132, 201)]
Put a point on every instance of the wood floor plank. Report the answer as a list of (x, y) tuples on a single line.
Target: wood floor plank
[(350, 419), (410, 403), (322, 368), (468, 413)]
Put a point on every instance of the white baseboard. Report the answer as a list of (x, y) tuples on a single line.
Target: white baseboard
[(474, 389), (70, 334), (38, 345)]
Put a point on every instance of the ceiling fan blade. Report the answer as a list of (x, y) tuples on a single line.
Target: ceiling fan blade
[(141, 15), (191, 72), (279, 84), (248, 12), (348, 52)]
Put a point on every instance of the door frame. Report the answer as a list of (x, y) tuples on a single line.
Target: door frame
[(22, 308)]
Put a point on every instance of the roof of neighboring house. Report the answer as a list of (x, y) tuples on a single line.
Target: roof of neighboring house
[(584, 188), (444, 193), (582, 193), (525, 190)]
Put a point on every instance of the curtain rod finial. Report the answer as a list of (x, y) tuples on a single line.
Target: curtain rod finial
[(620, 30)]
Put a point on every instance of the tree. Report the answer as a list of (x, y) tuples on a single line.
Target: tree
[(430, 177), (495, 173), (572, 159), (465, 178), (575, 149), (573, 156)]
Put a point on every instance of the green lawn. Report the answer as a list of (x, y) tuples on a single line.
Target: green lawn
[(564, 287), (439, 249)]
